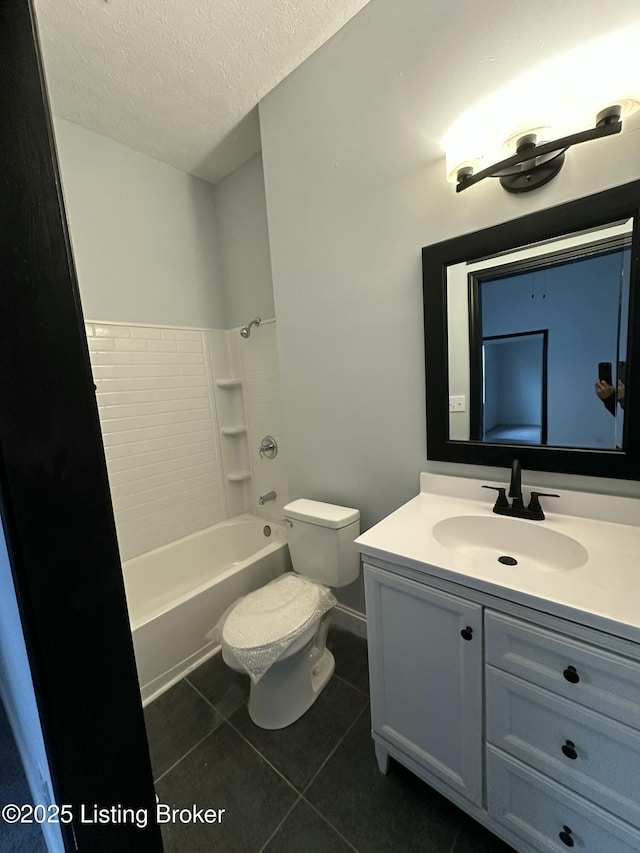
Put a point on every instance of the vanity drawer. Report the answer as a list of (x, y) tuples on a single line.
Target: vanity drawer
[(593, 677), (539, 810), (593, 755)]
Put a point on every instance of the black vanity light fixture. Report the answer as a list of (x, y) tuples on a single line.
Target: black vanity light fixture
[(536, 163), (525, 127)]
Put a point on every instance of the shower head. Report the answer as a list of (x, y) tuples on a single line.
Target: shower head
[(245, 331)]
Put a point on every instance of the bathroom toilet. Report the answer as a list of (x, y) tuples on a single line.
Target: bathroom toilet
[(287, 620)]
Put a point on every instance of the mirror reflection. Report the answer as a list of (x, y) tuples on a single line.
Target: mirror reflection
[(537, 342)]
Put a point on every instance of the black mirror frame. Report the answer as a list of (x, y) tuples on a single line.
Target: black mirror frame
[(590, 212)]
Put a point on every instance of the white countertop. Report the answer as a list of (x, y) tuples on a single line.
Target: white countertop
[(603, 593)]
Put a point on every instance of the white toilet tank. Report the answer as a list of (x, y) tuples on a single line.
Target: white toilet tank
[(321, 538)]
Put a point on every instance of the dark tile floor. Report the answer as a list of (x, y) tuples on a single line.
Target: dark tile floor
[(313, 787), (15, 838)]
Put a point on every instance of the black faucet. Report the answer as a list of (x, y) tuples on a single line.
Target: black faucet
[(515, 486), (516, 508)]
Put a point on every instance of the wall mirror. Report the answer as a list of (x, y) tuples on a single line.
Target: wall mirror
[(529, 340)]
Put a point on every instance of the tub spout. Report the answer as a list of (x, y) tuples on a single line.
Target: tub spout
[(270, 496)]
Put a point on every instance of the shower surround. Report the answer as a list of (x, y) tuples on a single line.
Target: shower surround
[(182, 413)]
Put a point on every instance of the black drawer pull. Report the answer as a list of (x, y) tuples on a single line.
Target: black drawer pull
[(569, 749), (571, 675), (467, 633), (565, 836)]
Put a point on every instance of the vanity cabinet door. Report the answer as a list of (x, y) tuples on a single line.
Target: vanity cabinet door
[(425, 656)]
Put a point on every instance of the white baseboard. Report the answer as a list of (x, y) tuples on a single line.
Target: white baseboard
[(350, 620)]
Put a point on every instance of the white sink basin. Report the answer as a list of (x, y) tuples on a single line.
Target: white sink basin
[(496, 540)]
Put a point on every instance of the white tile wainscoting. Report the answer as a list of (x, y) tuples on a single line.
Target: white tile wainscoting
[(171, 469)]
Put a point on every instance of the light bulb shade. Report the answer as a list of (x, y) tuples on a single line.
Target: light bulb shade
[(471, 166), (628, 106), (544, 133)]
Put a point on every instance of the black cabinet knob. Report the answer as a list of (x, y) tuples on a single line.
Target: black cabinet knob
[(569, 749), (571, 675), (467, 633), (565, 836)]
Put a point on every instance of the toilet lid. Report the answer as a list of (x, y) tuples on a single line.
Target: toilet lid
[(272, 613)]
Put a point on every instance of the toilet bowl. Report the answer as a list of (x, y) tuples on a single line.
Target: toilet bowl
[(278, 633), (291, 684)]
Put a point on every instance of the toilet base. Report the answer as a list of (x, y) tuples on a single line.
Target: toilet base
[(289, 688), (266, 707)]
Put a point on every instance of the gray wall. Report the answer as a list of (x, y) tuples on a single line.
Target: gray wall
[(155, 245), (351, 199), (143, 233), (243, 240)]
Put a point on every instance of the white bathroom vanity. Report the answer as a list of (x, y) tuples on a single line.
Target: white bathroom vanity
[(512, 686)]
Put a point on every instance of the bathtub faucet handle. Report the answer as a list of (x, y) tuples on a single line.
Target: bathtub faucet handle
[(268, 447)]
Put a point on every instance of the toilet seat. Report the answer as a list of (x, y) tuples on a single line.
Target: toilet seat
[(273, 613)]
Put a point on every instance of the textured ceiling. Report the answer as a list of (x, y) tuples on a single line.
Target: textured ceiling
[(179, 80)]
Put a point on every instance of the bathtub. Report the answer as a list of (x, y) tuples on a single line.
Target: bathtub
[(177, 593)]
